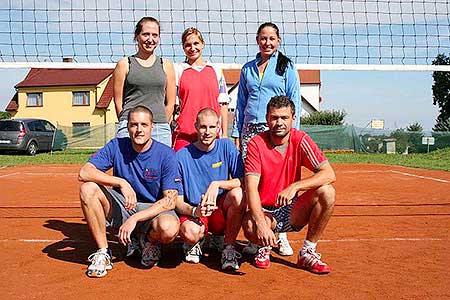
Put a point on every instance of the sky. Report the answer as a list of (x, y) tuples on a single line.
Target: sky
[(398, 98)]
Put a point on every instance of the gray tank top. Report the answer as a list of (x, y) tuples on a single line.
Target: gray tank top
[(145, 86)]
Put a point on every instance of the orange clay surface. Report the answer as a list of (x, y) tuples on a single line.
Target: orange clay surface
[(388, 239)]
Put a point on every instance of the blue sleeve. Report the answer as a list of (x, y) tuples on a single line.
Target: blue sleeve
[(103, 159), (235, 162), (293, 91), (240, 106), (170, 177)]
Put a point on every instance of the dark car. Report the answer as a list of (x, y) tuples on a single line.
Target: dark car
[(28, 135)]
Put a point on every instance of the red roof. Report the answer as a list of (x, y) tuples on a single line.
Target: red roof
[(62, 77), (107, 95), (13, 105)]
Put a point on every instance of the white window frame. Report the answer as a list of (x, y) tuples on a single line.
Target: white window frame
[(35, 99), (86, 98)]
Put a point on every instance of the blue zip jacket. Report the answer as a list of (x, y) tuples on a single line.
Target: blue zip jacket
[(253, 94)]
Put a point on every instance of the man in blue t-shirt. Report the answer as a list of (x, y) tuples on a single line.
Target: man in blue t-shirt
[(145, 183), (211, 196)]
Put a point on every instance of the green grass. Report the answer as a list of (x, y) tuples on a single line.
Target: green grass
[(436, 160), (58, 157)]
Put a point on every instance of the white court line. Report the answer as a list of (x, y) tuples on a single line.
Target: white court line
[(40, 174), (363, 171), (419, 176), (392, 239), (10, 174), (51, 174), (383, 240), (397, 172)]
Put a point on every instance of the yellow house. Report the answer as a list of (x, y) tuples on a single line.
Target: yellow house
[(78, 98)]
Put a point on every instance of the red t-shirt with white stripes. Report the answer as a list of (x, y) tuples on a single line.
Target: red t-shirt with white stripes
[(277, 170)]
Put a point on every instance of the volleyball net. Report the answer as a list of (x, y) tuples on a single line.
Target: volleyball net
[(379, 33)]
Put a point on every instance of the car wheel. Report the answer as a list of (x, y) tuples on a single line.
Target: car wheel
[(32, 148)]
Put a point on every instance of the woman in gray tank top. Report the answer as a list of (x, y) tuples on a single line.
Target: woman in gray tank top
[(146, 79)]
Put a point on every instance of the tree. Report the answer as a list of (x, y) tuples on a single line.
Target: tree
[(441, 94), (326, 117), (415, 127), (4, 115), (415, 132)]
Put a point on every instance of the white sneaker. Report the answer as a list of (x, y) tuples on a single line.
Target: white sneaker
[(151, 253), (100, 264), (230, 258), (216, 242), (192, 253), (250, 249), (284, 248)]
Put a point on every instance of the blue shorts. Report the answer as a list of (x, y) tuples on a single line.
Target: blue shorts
[(283, 217), (119, 214)]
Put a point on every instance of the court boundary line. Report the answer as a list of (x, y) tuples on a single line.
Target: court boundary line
[(397, 172), (419, 176), (9, 174)]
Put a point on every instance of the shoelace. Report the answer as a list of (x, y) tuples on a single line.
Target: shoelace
[(263, 253), (311, 257), (150, 251), (99, 258), (231, 254), (195, 250), (284, 243)]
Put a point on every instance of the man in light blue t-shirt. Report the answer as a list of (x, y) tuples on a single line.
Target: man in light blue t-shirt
[(144, 187), (211, 196)]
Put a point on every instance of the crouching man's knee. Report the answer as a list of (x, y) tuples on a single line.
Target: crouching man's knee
[(89, 193), (327, 196)]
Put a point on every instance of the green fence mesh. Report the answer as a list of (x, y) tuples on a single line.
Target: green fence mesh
[(328, 138)]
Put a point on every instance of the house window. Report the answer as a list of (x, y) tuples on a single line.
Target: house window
[(34, 99), (81, 129), (80, 99)]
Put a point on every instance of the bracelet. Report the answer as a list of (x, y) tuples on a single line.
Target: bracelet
[(194, 210)]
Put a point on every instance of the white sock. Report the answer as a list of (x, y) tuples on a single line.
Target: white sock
[(309, 245), (103, 250)]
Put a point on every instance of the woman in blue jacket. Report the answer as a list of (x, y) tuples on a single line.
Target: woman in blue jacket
[(270, 74)]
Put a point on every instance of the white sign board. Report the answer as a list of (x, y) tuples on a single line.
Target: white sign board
[(427, 140), (377, 124)]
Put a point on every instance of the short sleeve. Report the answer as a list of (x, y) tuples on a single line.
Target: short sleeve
[(312, 157), (253, 158), (170, 177), (103, 159)]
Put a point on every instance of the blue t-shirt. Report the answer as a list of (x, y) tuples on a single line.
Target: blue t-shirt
[(149, 173), (198, 168)]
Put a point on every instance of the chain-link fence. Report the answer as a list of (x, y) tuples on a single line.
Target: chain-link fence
[(345, 138)]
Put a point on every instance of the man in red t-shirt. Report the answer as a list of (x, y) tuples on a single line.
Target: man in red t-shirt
[(278, 199)]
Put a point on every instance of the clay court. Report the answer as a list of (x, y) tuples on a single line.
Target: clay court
[(388, 239)]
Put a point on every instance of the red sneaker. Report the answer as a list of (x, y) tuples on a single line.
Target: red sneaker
[(262, 259), (309, 260)]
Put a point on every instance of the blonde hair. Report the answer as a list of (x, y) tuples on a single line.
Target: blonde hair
[(188, 32)]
